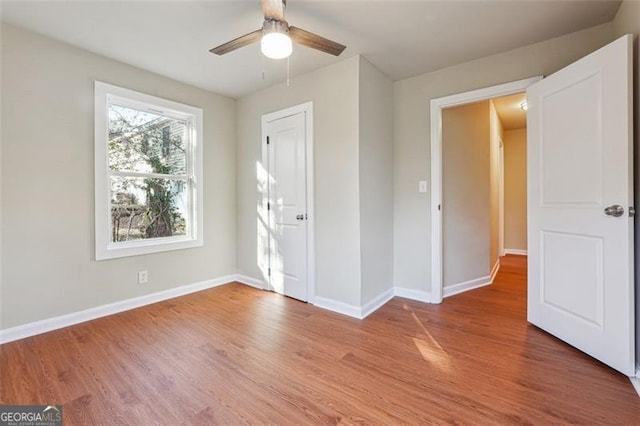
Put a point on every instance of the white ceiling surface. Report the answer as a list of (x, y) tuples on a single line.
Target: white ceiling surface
[(401, 38)]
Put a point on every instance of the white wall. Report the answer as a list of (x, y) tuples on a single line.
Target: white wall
[(376, 181), (353, 164), (334, 93), (627, 21), (412, 233), (515, 189), (47, 184), (465, 193)]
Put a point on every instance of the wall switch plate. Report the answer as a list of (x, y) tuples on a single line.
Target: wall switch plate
[(422, 186), (143, 277)]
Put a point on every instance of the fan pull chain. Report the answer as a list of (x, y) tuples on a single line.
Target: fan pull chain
[(288, 70), (264, 71)]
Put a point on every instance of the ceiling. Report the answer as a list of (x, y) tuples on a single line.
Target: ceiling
[(509, 110), (401, 38)]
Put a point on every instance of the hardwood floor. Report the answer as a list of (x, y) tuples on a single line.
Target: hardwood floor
[(233, 355)]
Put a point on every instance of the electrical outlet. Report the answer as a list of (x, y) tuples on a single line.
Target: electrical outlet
[(143, 277)]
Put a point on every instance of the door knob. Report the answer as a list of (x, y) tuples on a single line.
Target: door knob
[(299, 217), (614, 210)]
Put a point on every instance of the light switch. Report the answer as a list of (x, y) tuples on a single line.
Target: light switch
[(422, 186)]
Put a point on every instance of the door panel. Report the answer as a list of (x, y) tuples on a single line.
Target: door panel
[(580, 131), (561, 284), (287, 200), (580, 259)]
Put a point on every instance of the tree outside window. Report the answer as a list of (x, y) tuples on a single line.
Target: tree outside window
[(151, 153)]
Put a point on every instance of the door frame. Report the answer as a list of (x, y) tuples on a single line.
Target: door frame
[(307, 109), (437, 105), (501, 198)]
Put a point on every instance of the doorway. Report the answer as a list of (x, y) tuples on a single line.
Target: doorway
[(479, 214), (579, 185), (287, 201), (437, 107)]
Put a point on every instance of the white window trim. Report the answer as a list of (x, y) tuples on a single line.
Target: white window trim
[(105, 249)]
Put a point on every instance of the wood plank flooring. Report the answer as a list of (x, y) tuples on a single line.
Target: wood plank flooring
[(235, 355)]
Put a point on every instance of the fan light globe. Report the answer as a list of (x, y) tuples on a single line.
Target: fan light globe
[(276, 45)]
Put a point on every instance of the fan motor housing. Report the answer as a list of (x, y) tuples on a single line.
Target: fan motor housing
[(275, 26)]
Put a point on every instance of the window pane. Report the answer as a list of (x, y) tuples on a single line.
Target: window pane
[(144, 142), (144, 208)]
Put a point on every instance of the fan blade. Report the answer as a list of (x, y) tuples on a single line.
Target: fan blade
[(315, 41), (273, 9), (237, 43)]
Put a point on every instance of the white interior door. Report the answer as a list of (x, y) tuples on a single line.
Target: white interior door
[(580, 165), (287, 201)]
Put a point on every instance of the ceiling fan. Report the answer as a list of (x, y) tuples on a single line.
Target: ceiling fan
[(276, 35)]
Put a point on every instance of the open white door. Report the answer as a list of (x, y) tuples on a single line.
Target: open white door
[(287, 205), (580, 193)]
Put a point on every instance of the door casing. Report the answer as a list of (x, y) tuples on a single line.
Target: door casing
[(437, 105)]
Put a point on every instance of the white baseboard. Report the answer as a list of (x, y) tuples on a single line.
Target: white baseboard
[(409, 293), (494, 271), (359, 312), (518, 252), (372, 306), (250, 281), (466, 286), (50, 324), (635, 381), (337, 306), (376, 303), (472, 284)]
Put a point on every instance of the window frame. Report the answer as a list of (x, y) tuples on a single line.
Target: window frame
[(105, 94)]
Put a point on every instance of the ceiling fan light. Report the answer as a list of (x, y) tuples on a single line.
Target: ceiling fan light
[(276, 45)]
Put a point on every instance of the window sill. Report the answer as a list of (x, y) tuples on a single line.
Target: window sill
[(136, 248)]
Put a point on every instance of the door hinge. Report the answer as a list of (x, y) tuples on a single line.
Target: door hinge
[(269, 271), (267, 140), (305, 216), (438, 207), (268, 205), (632, 211)]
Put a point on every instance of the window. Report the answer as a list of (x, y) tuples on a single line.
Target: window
[(148, 173)]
